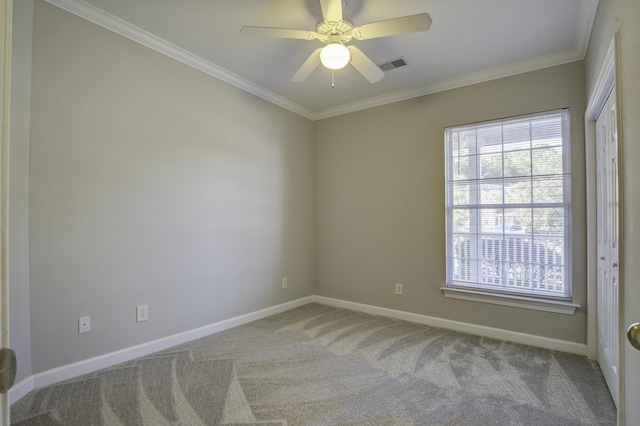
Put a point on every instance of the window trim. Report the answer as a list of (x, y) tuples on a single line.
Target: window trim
[(454, 289), (510, 299)]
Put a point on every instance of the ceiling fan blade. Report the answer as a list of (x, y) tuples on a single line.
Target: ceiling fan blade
[(403, 25), (364, 65), (277, 32), (307, 68), (331, 10)]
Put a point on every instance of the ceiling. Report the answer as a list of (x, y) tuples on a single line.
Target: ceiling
[(469, 41)]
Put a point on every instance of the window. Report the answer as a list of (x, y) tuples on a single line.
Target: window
[(509, 207)]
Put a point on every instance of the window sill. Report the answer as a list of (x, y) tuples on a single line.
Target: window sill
[(547, 305)]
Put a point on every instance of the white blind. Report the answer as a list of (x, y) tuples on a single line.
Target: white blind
[(509, 205)]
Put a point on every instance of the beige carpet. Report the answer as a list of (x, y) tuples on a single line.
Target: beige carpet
[(318, 365)]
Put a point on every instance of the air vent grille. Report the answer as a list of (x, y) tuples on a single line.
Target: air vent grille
[(391, 65)]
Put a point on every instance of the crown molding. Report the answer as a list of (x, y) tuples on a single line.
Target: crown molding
[(509, 70), (145, 38), (588, 9), (587, 17), (110, 22)]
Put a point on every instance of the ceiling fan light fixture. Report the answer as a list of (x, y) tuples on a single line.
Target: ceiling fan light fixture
[(335, 56)]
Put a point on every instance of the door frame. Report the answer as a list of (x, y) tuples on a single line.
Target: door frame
[(6, 15), (608, 79)]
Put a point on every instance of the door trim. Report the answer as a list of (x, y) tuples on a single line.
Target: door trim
[(605, 83), (5, 80)]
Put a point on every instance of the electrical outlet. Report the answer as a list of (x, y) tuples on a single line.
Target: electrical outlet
[(284, 283), (84, 325), (142, 313), (399, 289)]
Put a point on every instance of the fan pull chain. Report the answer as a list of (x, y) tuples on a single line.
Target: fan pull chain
[(333, 82)]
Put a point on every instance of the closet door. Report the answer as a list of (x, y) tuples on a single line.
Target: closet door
[(607, 232)]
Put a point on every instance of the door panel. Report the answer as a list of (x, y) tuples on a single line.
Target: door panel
[(607, 235)]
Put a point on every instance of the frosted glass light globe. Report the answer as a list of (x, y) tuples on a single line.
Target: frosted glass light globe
[(335, 56)]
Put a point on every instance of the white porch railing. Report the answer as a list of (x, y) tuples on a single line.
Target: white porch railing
[(512, 262)]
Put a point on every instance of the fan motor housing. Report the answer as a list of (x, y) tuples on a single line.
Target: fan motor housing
[(334, 32)]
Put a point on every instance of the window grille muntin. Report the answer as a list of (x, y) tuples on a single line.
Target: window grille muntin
[(512, 171)]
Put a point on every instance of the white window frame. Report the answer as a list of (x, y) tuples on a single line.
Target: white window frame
[(471, 287)]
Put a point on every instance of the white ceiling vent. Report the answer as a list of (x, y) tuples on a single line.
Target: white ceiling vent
[(391, 65)]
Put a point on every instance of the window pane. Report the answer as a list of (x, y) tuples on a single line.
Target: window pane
[(517, 136), (461, 194), (490, 138), (492, 193), (513, 235), (464, 260), (518, 191), (506, 221), (547, 131), (517, 163), (547, 161), (548, 264), (548, 190), (461, 220), (548, 221), (460, 168), (490, 165), (454, 142), (467, 141), (490, 219)]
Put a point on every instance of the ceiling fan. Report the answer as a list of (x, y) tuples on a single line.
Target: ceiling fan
[(335, 33)]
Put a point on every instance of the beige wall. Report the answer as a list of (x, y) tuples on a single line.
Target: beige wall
[(19, 303), (153, 183), (150, 182), (380, 213)]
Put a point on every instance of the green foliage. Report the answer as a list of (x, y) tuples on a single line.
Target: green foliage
[(518, 177)]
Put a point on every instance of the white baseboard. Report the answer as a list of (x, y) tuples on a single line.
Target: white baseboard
[(478, 330), (20, 389), (70, 371)]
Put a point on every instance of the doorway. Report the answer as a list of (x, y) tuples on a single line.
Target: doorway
[(605, 292)]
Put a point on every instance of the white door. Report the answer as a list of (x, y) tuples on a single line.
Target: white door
[(607, 235)]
